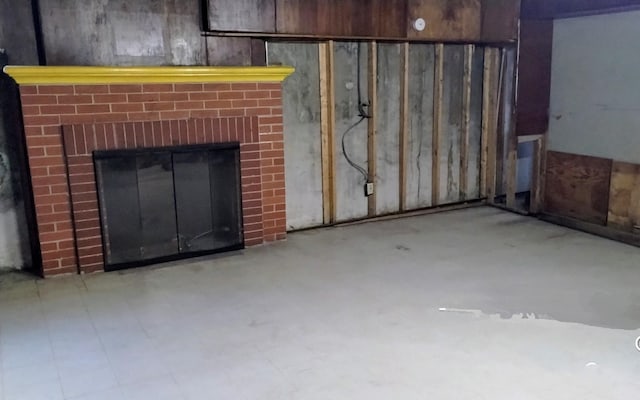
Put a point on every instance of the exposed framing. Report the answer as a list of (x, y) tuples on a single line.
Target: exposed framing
[(466, 121), (371, 133), (438, 84), (327, 123), (490, 115), (404, 125)]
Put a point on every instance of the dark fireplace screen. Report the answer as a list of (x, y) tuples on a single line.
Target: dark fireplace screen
[(168, 203)]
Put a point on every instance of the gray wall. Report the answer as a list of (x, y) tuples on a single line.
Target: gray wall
[(351, 202), (388, 128), (420, 130), (595, 86), (302, 140)]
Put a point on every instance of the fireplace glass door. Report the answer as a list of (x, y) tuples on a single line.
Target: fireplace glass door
[(164, 204)]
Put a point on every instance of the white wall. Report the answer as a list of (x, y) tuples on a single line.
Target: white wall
[(595, 86)]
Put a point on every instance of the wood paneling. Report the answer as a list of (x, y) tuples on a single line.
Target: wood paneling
[(242, 15), (500, 20), (544, 9), (577, 186), (534, 77), (342, 18), (447, 20), (624, 202), (233, 51)]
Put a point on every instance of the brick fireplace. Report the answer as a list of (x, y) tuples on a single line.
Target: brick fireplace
[(70, 112)]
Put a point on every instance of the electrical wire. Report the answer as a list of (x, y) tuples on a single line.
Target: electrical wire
[(363, 115), (346, 155)]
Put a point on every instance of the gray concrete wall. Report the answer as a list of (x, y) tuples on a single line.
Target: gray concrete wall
[(595, 81), (388, 128), (475, 128), (451, 124), (351, 202), (302, 140), (420, 132), (121, 32)]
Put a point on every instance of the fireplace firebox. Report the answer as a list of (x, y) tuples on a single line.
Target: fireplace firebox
[(168, 203)]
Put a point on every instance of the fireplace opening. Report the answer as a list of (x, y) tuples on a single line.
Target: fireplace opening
[(168, 203)]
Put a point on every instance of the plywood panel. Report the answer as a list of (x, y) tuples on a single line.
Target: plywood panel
[(242, 15), (447, 20), (302, 140), (500, 20), (577, 186), (624, 201), (346, 18)]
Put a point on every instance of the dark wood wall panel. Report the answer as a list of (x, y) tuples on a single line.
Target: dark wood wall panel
[(577, 186), (534, 77), (242, 15), (456, 20), (500, 20), (447, 20), (233, 51), (355, 18)]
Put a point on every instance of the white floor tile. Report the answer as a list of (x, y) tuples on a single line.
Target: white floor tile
[(345, 313), (88, 381), (38, 390)]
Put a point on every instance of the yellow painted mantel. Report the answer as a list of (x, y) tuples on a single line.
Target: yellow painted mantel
[(50, 75)]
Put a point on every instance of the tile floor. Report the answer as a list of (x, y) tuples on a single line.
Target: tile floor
[(534, 311)]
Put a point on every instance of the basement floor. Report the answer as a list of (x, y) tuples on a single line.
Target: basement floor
[(469, 304)]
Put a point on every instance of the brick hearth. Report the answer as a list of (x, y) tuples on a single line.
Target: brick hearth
[(64, 123)]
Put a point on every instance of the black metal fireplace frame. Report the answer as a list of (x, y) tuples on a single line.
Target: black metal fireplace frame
[(102, 154)]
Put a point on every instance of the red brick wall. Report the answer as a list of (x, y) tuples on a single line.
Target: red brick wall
[(47, 108)]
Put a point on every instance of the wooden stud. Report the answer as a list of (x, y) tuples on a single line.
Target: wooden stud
[(371, 139), (438, 84), (486, 117), (466, 121), (327, 104), (490, 111), (512, 172), (404, 125), (512, 148), (536, 180), (500, 120)]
